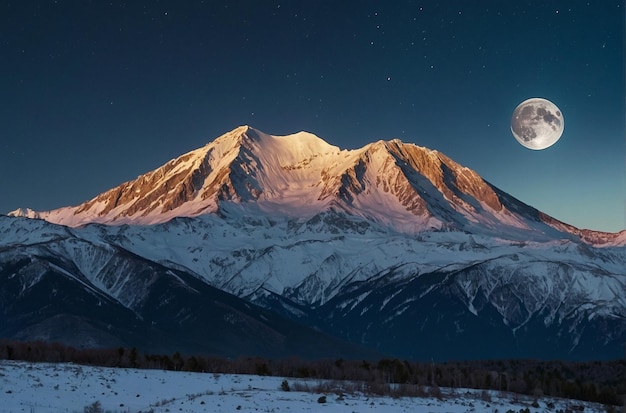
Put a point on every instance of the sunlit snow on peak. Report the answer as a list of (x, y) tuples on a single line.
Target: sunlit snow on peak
[(403, 186)]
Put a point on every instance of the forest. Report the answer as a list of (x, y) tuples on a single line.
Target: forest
[(595, 381)]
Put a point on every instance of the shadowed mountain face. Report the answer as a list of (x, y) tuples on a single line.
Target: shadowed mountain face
[(90, 294), (286, 245)]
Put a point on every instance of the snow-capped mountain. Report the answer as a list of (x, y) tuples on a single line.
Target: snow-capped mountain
[(403, 186), (392, 246)]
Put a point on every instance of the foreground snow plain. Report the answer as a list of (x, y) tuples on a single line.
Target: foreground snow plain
[(49, 387)]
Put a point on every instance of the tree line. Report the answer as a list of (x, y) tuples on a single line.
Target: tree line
[(594, 381)]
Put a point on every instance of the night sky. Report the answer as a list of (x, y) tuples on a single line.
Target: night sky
[(95, 93)]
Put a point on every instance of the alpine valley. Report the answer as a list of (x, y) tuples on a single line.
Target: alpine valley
[(287, 246)]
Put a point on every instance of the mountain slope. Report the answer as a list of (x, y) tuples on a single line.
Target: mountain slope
[(56, 285), (408, 296), (239, 166), (354, 278), (511, 305)]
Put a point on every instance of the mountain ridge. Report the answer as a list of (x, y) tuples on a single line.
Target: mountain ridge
[(335, 273), (404, 186)]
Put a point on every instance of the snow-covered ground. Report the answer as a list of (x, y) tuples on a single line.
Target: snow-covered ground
[(46, 387)]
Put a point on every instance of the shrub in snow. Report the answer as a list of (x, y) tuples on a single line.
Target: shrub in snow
[(435, 391), (94, 407), (284, 386)]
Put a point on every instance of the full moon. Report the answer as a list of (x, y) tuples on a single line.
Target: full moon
[(537, 123)]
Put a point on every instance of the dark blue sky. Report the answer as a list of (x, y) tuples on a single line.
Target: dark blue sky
[(95, 93)]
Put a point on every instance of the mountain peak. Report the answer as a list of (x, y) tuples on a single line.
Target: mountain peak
[(401, 185)]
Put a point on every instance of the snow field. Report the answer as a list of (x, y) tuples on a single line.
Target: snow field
[(48, 387)]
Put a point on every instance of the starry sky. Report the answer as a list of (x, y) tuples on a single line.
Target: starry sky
[(95, 93)]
